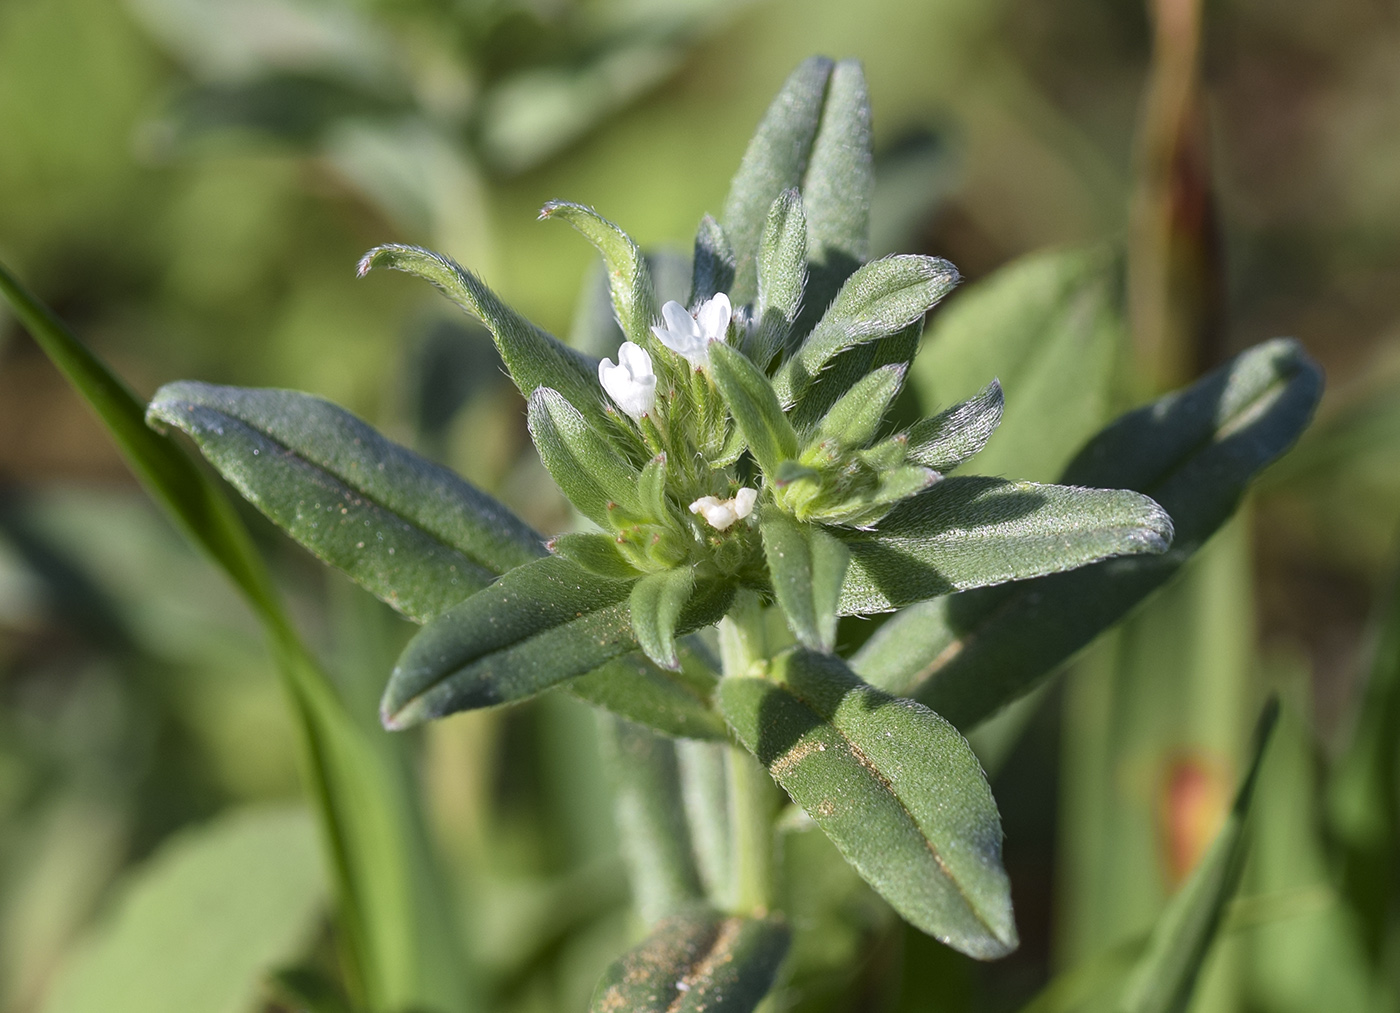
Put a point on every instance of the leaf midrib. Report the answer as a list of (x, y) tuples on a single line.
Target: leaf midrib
[(958, 644), (345, 484), (860, 757)]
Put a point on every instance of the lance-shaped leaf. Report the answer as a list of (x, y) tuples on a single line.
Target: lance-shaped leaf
[(807, 566), (953, 435), (972, 532), (673, 703), (893, 785), (1194, 451), (537, 626), (1165, 976), (712, 267), (838, 186), (782, 276), (629, 280), (696, 962), (854, 419), (533, 357), (408, 530), (656, 602), (755, 408), (879, 301), (776, 160), (651, 818), (585, 465)]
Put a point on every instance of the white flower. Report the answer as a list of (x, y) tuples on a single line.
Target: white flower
[(689, 335), (631, 383), (721, 513)]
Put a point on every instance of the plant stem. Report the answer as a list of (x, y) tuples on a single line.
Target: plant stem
[(752, 806), (745, 647)]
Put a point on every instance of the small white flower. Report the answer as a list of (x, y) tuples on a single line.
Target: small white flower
[(631, 383), (722, 513), (689, 335)]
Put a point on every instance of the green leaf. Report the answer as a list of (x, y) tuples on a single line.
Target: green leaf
[(755, 407), (586, 466), (713, 268), (1165, 976), (893, 785), (651, 488), (651, 818), (533, 357), (159, 949), (540, 624), (838, 186), (674, 703), (855, 418), (595, 553), (398, 939), (776, 160), (1050, 325), (656, 603), (971, 531), (878, 301), (633, 297), (696, 962), (782, 276), (408, 530), (953, 435), (1193, 451), (807, 566)]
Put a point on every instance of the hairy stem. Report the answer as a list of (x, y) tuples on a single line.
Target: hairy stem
[(747, 640)]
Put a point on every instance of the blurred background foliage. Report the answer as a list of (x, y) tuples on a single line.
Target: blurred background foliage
[(190, 182)]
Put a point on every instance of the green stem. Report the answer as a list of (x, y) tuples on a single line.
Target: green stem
[(752, 808), (745, 646)]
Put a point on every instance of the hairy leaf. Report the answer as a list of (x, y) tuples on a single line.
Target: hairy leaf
[(629, 280), (713, 267), (878, 301), (776, 160), (854, 419), (673, 703), (971, 531), (533, 357), (893, 785), (595, 553), (537, 626), (807, 566), (656, 602), (406, 529), (756, 411), (782, 276), (696, 962), (953, 435), (1194, 451), (838, 186), (584, 464), (1165, 976)]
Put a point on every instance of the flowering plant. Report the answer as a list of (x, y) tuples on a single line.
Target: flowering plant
[(739, 468)]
